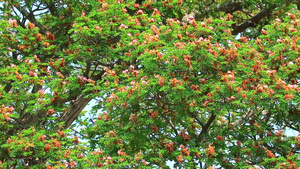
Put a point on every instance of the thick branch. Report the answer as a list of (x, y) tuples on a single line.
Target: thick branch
[(78, 105), (75, 109), (244, 117), (207, 125), (88, 68), (252, 22), (229, 7), (171, 124), (31, 18), (196, 118)]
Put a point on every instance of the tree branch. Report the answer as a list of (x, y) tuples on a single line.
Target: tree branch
[(75, 109), (207, 125), (196, 118), (229, 7), (242, 120), (253, 21), (31, 18), (88, 68), (171, 124)]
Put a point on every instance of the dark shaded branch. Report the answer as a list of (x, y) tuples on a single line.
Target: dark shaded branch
[(171, 124), (78, 104), (207, 125), (253, 21), (196, 118), (31, 18), (51, 8), (288, 124), (229, 7), (239, 122), (75, 109), (8, 87), (88, 68)]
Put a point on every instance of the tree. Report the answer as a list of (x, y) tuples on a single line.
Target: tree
[(201, 83)]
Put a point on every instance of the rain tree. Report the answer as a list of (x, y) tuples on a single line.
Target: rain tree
[(186, 84)]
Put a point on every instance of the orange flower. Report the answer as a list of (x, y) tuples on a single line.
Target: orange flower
[(76, 141), (60, 133), (47, 148), (161, 81), (239, 143), (270, 154), (48, 167), (169, 147), (186, 137), (50, 111), (175, 82), (46, 44), (210, 151), (30, 25), (179, 158), (154, 129), (56, 143), (244, 95), (153, 114), (288, 97), (220, 138), (42, 138), (50, 36), (67, 154), (184, 151), (297, 140)]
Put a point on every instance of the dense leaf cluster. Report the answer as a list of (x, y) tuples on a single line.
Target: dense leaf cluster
[(193, 84)]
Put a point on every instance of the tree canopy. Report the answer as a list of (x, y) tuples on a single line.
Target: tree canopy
[(182, 84)]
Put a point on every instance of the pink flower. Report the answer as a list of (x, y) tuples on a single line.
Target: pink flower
[(139, 12), (41, 92), (98, 28), (133, 42), (123, 26), (31, 74), (13, 23), (279, 41), (135, 72), (125, 71)]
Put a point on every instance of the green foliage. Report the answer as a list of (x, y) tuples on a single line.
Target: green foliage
[(198, 84)]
